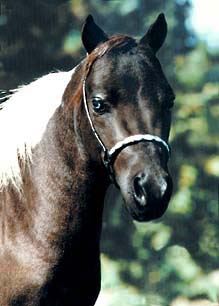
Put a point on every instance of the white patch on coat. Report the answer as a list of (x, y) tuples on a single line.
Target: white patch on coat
[(23, 120)]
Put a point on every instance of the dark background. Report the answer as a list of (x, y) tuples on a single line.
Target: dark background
[(174, 260)]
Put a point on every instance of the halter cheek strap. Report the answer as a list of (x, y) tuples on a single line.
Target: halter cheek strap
[(89, 119), (111, 155)]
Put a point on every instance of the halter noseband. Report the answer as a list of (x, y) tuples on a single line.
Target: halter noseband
[(110, 156)]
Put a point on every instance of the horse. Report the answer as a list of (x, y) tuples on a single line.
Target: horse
[(64, 138)]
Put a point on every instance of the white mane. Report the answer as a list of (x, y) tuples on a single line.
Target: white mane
[(23, 120)]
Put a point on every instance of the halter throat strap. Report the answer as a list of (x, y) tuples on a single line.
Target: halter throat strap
[(109, 156)]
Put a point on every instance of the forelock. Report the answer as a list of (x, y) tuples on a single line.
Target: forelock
[(117, 44)]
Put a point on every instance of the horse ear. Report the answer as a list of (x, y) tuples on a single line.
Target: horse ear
[(92, 34), (156, 34)]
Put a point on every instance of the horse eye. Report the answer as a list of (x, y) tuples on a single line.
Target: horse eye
[(98, 104)]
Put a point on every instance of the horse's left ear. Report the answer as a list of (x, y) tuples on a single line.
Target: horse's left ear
[(92, 34), (156, 34)]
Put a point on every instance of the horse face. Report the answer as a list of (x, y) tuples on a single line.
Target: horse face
[(128, 94)]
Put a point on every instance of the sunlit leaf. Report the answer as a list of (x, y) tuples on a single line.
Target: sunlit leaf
[(212, 165)]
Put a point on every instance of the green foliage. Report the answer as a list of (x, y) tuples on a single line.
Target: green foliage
[(191, 69), (176, 258)]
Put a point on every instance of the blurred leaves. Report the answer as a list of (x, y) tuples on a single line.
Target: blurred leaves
[(212, 165), (196, 63), (176, 259), (179, 256)]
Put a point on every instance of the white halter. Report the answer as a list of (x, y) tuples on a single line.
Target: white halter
[(110, 155)]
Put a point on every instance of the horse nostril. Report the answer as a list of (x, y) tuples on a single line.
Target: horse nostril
[(140, 194)]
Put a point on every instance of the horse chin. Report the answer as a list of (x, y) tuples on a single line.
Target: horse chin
[(147, 214)]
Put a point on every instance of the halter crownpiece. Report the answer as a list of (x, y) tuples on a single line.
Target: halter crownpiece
[(110, 155)]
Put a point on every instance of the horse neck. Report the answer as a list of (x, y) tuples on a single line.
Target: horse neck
[(70, 184)]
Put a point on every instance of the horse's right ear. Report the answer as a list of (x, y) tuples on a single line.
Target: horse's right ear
[(92, 35)]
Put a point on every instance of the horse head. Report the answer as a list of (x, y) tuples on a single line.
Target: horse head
[(128, 103)]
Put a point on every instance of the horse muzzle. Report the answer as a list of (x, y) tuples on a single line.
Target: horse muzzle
[(150, 196)]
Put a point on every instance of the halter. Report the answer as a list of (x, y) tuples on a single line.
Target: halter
[(109, 156)]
